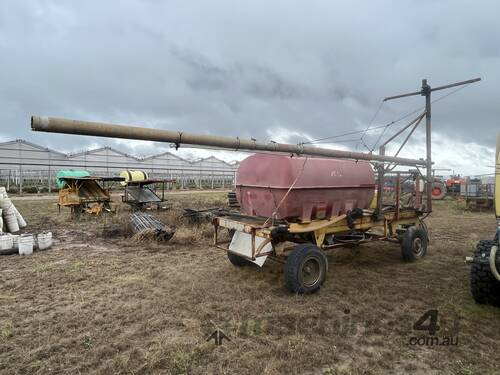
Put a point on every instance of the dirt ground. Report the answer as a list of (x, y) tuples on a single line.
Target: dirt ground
[(100, 304)]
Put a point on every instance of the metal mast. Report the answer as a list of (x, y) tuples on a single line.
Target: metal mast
[(426, 91)]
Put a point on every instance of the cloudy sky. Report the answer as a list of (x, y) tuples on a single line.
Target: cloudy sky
[(287, 71)]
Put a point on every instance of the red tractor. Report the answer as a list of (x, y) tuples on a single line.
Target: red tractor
[(451, 186), (439, 188)]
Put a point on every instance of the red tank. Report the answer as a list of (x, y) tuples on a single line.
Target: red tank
[(322, 187)]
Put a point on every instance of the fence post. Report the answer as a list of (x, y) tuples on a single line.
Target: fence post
[(20, 179), (48, 182), (49, 178)]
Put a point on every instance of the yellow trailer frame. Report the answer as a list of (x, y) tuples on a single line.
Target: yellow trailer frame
[(85, 194), (301, 247), (390, 227)]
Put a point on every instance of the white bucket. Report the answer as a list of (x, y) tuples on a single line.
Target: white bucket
[(7, 206), (44, 240), (15, 240), (5, 203), (3, 192), (11, 222), (20, 220), (6, 242), (9, 209), (25, 244)]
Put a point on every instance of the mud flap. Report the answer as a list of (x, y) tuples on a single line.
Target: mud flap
[(242, 244)]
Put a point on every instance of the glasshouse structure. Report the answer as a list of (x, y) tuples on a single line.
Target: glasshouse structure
[(25, 166)]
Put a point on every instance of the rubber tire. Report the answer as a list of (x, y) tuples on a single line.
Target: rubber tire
[(442, 187), (407, 243), (238, 261), (293, 267), (485, 289)]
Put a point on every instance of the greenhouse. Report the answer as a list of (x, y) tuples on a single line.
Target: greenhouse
[(28, 167)]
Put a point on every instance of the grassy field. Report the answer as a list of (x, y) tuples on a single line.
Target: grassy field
[(100, 304)]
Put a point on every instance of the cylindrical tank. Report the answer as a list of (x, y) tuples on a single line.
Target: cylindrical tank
[(69, 173), (133, 176), (301, 188)]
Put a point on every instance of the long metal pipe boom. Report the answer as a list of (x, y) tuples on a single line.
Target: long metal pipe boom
[(59, 125)]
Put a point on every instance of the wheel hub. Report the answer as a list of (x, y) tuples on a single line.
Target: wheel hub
[(311, 272), (417, 246)]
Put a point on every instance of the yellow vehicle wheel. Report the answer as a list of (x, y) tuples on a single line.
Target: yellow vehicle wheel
[(414, 244), (305, 269)]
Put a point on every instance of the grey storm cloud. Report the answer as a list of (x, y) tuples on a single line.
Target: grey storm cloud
[(248, 69)]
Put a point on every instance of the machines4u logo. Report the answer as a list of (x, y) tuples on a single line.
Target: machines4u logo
[(428, 322)]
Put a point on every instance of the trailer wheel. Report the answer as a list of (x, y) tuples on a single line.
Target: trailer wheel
[(414, 244), (237, 261), (483, 285), (305, 269)]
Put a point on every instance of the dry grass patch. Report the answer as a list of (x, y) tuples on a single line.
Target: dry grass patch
[(96, 304)]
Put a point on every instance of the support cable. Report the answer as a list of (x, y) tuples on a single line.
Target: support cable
[(369, 128), (369, 125)]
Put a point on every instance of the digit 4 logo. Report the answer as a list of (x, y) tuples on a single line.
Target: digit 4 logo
[(432, 326)]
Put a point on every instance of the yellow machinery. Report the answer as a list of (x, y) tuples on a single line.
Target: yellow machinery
[(301, 246), (484, 275), (133, 176), (85, 194), (497, 181), (141, 194)]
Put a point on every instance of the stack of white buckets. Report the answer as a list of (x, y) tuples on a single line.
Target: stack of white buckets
[(13, 220)]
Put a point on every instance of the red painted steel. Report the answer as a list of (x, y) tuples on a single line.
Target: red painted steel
[(322, 188)]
